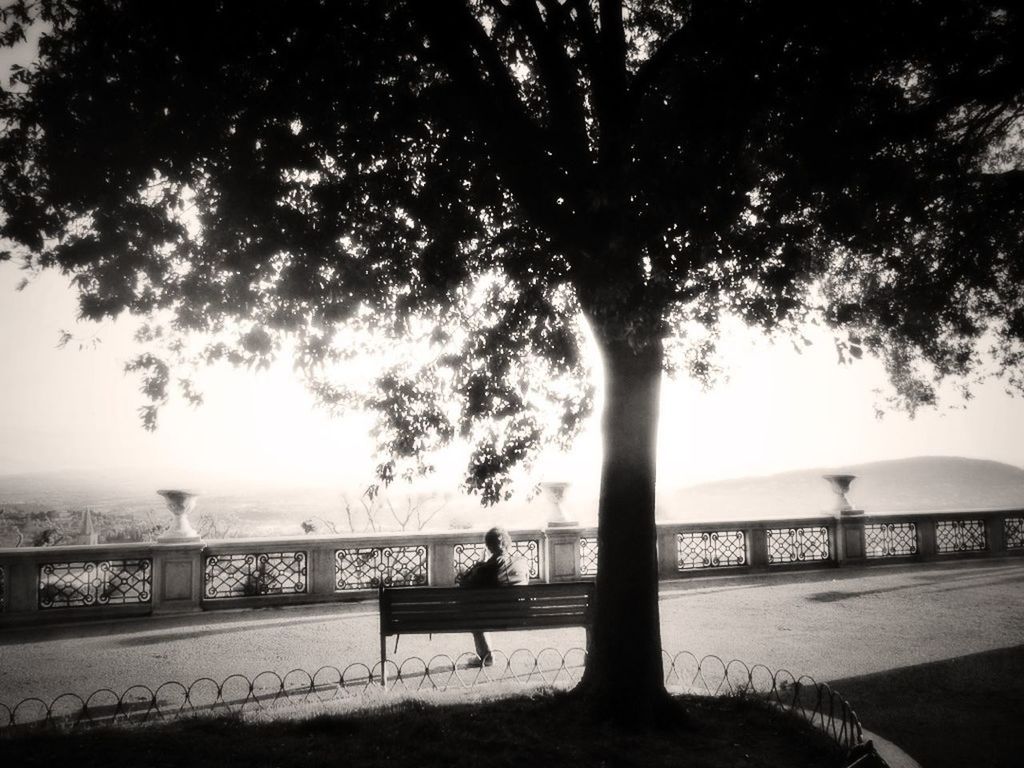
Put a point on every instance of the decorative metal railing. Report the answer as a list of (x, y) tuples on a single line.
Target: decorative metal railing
[(960, 536), (95, 582), (369, 567), (890, 540), (588, 556), (1013, 532), (798, 545), (255, 573), (466, 554), (821, 706), (37, 584), (711, 549)]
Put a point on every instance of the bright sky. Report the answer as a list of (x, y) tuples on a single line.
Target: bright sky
[(779, 410)]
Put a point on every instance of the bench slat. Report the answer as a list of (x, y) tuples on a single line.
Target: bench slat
[(485, 623), (398, 595), (455, 617), (457, 605), (411, 610)]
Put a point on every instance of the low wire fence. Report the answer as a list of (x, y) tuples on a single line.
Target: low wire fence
[(239, 694)]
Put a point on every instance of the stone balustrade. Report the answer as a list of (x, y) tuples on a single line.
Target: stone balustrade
[(71, 583)]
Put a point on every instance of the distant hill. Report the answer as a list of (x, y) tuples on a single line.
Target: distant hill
[(916, 484)]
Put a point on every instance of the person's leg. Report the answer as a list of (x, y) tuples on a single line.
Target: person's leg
[(483, 648)]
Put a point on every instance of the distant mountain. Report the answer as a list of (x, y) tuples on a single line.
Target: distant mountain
[(107, 490), (916, 484)]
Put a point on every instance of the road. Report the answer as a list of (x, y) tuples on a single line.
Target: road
[(829, 624)]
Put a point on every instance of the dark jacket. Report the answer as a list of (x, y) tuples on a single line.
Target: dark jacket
[(503, 569)]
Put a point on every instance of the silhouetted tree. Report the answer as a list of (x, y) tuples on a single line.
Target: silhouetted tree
[(478, 175)]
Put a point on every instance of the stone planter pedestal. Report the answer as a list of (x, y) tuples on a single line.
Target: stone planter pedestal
[(180, 503), (553, 493), (178, 559), (840, 487)]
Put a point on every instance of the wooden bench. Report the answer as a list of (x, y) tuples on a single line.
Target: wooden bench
[(423, 610)]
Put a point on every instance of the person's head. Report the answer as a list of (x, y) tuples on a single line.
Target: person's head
[(497, 540)]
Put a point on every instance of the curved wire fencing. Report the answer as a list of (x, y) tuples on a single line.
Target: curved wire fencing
[(239, 694), (818, 703)]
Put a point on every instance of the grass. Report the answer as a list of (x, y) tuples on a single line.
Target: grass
[(948, 714), (541, 728)]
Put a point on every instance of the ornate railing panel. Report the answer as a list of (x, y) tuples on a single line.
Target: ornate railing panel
[(890, 539), (251, 574), (960, 536), (1013, 532), (465, 555), (369, 567), (588, 557), (96, 582), (710, 549), (797, 545)]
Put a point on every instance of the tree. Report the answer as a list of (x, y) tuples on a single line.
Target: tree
[(479, 175)]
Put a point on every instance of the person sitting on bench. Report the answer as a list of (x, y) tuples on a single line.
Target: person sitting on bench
[(504, 568)]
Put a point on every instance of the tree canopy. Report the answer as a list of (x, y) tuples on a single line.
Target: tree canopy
[(480, 175), (479, 172)]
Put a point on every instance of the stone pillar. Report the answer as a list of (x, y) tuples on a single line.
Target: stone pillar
[(322, 569), (995, 533), (926, 545), (22, 577), (668, 553), (562, 559), (178, 577), (758, 538), (441, 562), (850, 547)]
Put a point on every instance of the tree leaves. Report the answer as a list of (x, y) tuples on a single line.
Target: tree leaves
[(477, 176)]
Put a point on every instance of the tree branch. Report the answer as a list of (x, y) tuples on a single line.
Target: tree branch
[(654, 67), (560, 79), (610, 89), (515, 143)]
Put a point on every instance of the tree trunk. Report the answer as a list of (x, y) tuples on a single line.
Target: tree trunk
[(624, 679)]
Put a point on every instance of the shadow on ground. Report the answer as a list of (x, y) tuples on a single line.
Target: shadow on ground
[(937, 585), (158, 629), (958, 574), (545, 728), (949, 714)]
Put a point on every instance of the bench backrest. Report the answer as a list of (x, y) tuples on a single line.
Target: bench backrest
[(412, 610)]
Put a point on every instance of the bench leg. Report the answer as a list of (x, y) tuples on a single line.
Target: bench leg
[(384, 662)]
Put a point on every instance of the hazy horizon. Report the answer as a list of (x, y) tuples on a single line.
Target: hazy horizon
[(917, 484), (777, 410)]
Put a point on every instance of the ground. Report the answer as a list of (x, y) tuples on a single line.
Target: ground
[(868, 630)]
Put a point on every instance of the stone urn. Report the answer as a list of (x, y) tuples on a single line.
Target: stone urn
[(180, 503), (840, 487), (553, 493)]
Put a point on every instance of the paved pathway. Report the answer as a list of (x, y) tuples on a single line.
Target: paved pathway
[(830, 624)]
